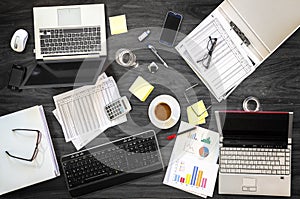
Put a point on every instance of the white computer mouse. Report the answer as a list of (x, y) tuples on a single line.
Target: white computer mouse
[(18, 40)]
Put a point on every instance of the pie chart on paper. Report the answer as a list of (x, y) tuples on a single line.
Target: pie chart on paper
[(203, 152)]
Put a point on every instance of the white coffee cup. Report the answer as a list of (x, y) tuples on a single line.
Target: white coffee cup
[(164, 111)]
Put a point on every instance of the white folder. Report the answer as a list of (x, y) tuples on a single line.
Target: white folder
[(266, 24), (15, 173)]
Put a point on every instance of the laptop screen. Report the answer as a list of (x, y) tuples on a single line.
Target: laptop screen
[(259, 129)]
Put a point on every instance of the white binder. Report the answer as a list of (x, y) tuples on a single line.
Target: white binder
[(15, 173), (265, 24)]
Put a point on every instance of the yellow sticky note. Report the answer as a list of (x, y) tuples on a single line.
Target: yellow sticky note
[(141, 88), (199, 108), (118, 24)]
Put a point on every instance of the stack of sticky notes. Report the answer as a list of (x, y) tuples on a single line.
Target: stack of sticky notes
[(141, 88), (118, 24), (197, 113)]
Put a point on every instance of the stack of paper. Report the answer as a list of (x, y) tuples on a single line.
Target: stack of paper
[(81, 111), (193, 164), (197, 113), (16, 173)]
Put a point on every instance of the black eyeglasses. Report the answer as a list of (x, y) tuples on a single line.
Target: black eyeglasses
[(210, 47), (35, 152)]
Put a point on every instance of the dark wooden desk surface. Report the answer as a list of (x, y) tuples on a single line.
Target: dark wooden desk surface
[(276, 83)]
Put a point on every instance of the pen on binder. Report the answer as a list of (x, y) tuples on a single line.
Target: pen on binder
[(170, 137), (157, 55)]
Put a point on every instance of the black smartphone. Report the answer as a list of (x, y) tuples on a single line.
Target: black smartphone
[(16, 77), (170, 28)]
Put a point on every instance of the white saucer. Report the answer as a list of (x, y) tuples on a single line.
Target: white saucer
[(175, 107)]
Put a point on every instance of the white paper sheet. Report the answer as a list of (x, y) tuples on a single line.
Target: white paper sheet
[(81, 111), (194, 151), (230, 63), (192, 175)]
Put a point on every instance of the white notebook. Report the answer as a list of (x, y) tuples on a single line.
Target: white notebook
[(15, 173)]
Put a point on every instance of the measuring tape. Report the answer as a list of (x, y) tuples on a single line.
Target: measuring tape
[(247, 100)]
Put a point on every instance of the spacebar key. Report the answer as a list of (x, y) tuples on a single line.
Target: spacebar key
[(97, 177), (78, 30)]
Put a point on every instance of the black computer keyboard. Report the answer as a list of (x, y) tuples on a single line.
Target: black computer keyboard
[(112, 163), (70, 40)]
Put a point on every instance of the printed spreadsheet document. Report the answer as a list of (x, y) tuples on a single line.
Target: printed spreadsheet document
[(230, 62), (81, 111)]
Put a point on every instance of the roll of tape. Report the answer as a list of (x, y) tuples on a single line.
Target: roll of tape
[(247, 100)]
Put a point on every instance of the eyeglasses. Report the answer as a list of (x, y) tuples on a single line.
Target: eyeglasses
[(35, 152), (210, 47), (193, 109)]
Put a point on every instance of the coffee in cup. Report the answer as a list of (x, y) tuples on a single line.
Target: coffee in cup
[(162, 111)]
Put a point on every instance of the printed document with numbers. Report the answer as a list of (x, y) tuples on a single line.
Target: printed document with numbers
[(81, 111), (230, 63), (246, 33)]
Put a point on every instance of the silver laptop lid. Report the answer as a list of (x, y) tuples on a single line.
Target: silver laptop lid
[(255, 129), (73, 16)]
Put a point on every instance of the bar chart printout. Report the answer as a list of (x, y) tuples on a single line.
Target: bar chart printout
[(193, 179), (197, 177)]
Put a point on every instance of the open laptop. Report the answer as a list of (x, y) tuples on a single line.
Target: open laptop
[(70, 46), (255, 152), (73, 32)]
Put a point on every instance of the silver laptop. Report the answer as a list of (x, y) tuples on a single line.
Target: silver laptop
[(255, 152), (73, 32)]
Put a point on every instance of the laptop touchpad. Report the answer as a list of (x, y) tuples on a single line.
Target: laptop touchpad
[(69, 16), (249, 184)]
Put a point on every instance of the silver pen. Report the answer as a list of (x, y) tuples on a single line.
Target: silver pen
[(157, 55)]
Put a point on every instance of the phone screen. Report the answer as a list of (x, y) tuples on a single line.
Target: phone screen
[(170, 28)]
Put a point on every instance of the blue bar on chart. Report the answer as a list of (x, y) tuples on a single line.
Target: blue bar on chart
[(194, 175), (176, 178)]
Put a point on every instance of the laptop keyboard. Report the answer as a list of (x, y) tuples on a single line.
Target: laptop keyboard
[(255, 161), (70, 40)]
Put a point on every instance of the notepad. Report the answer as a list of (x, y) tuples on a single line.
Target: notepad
[(199, 108), (141, 88), (118, 24)]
